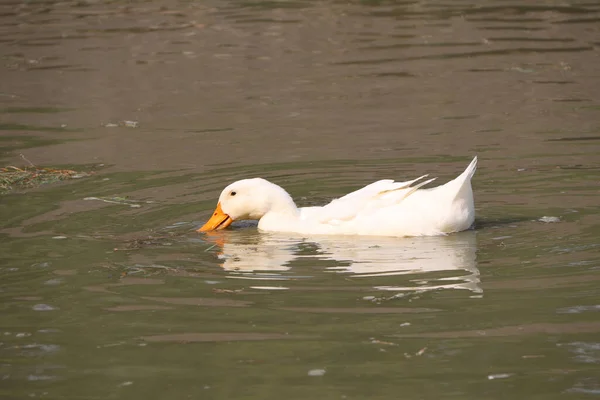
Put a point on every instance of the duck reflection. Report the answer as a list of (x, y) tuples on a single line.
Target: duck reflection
[(257, 255)]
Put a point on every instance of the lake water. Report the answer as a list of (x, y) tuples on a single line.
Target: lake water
[(108, 292)]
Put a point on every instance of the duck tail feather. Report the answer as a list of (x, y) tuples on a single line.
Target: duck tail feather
[(470, 171)]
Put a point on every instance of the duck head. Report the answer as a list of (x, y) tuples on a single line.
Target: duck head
[(248, 199)]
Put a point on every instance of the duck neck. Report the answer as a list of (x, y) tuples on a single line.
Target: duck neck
[(281, 203)]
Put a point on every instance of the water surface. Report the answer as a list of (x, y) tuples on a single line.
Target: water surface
[(107, 291)]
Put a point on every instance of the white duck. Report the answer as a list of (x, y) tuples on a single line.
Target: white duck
[(383, 208)]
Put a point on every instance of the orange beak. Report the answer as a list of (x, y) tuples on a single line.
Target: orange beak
[(218, 221)]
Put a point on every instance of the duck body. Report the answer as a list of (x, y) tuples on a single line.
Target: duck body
[(383, 208)]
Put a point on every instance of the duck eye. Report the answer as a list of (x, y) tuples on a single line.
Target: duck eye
[(233, 193)]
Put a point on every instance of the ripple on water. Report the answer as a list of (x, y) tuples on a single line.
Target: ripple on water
[(578, 309), (222, 337), (585, 352), (44, 307)]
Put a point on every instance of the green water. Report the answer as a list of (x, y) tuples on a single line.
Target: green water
[(108, 292), (509, 309)]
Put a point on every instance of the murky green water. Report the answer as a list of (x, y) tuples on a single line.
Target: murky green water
[(167, 102)]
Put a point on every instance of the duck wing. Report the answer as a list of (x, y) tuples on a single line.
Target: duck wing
[(368, 199)]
